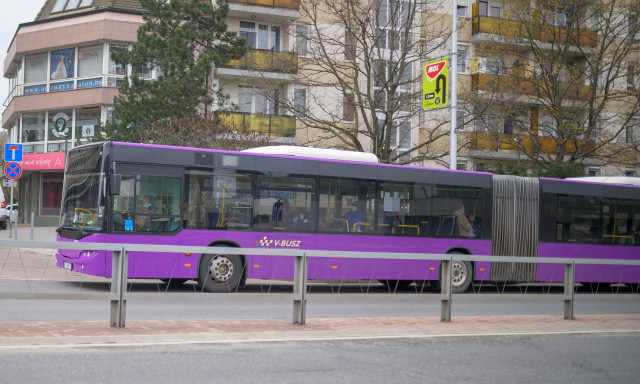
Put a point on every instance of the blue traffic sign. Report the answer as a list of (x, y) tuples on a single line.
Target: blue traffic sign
[(12, 170), (13, 152)]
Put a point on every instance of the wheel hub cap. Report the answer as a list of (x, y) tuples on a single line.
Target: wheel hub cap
[(221, 269), (458, 274)]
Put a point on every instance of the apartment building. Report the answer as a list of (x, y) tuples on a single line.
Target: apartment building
[(63, 81)]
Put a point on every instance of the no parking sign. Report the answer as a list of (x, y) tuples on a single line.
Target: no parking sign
[(12, 170)]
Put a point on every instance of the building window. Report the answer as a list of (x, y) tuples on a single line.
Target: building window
[(350, 44), (462, 58), (258, 101), (462, 11), (60, 123), (630, 136), (300, 102), (116, 68), (631, 77), (633, 26), (348, 107), (265, 36), (401, 134), (62, 64), (494, 11), (593, 171), (483, 8), (561, 19), (51, 193), (90, 60), (302, 39), (391, 23), (87, 122), (66, 5), (35, 68), (630, 173), (33, 126)]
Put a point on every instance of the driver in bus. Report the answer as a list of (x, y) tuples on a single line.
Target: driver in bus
[(143, 219)]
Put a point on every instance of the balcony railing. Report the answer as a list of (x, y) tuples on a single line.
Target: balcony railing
[(267, 125), (266, 60), (521, 85), (489, 141), (289, 4), (518, 29)]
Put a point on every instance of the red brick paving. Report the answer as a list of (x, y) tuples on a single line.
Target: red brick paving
[(515, 323)]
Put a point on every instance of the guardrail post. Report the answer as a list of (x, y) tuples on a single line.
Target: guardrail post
[(445, 290), (118, 286), (300, 289), (569, 275)]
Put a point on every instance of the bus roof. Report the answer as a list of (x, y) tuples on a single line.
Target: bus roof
[(315, 153), (623, 180)]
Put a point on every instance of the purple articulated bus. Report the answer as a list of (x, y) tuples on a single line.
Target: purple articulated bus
[(150, 194)]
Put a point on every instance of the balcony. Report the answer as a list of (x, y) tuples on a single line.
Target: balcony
[(520, 84), (270, 64), (287, 4), (491, 142), (523, 31), (265, 10), (266, 125)]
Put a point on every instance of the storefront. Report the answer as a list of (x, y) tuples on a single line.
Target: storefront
[(40, 188)]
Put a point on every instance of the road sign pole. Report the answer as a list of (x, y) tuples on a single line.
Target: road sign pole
[(11, 213), (453, 140)]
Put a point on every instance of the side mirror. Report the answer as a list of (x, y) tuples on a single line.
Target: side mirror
[(114, 184)]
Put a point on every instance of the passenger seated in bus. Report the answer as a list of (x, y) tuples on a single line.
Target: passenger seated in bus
[(322, 225), (144, 212), (353, 217), (464, 226), (284, 217), (301, 222)]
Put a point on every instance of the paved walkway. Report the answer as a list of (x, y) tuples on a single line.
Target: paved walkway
[(94, 333)]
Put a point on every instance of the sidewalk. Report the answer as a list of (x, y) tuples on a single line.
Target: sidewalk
[(24, 233), (147, 332)]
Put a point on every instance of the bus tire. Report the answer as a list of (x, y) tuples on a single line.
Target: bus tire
[(461, 279), (220, 273)]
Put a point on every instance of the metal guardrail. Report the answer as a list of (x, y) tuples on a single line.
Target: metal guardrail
[(118, 295)]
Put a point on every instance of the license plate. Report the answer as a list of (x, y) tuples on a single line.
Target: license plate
[(66, 265)]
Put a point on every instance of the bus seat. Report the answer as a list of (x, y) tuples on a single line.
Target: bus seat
[(447, 226)]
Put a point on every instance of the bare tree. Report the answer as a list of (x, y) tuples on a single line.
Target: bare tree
[(200, 132), (562, 80), (360, 61)]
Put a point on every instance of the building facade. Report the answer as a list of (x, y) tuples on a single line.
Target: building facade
[(316, 67)]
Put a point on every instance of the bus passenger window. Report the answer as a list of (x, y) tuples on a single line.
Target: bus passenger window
[(282, 200), (347, 205)]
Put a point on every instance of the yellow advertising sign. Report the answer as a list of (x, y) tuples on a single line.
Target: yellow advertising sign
[(435, 78)]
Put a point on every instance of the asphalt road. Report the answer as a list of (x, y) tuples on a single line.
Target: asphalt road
[(602, 358)]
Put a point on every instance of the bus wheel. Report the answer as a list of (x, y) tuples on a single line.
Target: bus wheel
[(462, 276), (461, 279), (220, 273)]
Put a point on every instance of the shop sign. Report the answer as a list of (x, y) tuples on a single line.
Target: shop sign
[(90, 83), (42, 161), (66, 86), (35, 89), (60, 128)]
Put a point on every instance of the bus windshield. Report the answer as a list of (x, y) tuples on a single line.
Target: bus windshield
[(83, 204)]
